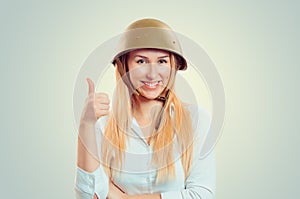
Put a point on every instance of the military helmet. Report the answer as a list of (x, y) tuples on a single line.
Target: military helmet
[(153, 34)]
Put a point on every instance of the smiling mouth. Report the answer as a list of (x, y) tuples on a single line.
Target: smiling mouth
[(152, 84)]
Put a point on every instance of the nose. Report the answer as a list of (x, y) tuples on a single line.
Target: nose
[(152, 71)]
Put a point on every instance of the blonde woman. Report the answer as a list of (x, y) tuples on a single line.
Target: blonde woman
[(148, 144)]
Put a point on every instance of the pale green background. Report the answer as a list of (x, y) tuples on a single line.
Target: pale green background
[(255, 45)]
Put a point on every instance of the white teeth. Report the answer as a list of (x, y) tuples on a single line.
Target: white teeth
[(152, 84)]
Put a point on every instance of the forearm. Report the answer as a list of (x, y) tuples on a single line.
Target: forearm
[(86, 138), (91, 185)]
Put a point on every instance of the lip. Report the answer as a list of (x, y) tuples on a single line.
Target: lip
[(151, 85)]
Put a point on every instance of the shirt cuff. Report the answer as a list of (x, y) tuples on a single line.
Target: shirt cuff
[(89, 183)]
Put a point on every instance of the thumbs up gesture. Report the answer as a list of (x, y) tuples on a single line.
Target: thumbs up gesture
[(96, 104)]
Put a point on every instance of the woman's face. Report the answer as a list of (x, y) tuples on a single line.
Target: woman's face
[(149, 71)]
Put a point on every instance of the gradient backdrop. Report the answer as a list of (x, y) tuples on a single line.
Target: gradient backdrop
[(254, 44)]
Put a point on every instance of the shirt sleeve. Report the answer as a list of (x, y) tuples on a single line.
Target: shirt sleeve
[(201, 182), (87, 184)]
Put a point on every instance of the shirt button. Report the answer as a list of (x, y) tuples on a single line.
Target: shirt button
[(148, 179)]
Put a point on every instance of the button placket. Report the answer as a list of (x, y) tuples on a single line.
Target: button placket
[(148, 158)]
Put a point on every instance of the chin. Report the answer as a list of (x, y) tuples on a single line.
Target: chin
[(151, 95)]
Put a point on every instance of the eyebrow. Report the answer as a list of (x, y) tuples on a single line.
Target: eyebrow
[(164, 56)]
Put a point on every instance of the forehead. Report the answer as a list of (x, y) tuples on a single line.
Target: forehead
[(149, 52)]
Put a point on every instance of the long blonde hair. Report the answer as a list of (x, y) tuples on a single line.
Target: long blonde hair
[(175, 121)]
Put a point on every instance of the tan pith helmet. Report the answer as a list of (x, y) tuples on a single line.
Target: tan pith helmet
[(153, 34)]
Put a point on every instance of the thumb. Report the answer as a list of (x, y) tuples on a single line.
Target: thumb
[(91, 85)]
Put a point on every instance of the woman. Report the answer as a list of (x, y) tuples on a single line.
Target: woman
[(149, 145)]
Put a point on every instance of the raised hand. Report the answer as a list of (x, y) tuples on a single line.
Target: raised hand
[(96, 104)]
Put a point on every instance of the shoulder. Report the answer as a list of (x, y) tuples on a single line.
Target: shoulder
[(197, 110), (201, 120), (99, 133), (199, 115)]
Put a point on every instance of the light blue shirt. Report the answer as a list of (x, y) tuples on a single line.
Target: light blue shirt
[(138, 175)]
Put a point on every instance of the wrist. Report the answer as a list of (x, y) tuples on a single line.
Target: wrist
[(87, 124)]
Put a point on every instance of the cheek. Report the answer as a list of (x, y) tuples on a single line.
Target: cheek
[(131, 65), (137, 72), (165, 72)]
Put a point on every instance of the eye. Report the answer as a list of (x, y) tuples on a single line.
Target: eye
[(162, 61), (141, 61)]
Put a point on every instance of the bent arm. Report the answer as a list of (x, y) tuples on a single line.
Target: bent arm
[(201, 182), (85, 160), (91, 181)]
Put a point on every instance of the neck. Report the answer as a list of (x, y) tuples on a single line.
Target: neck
[(145, 110)]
